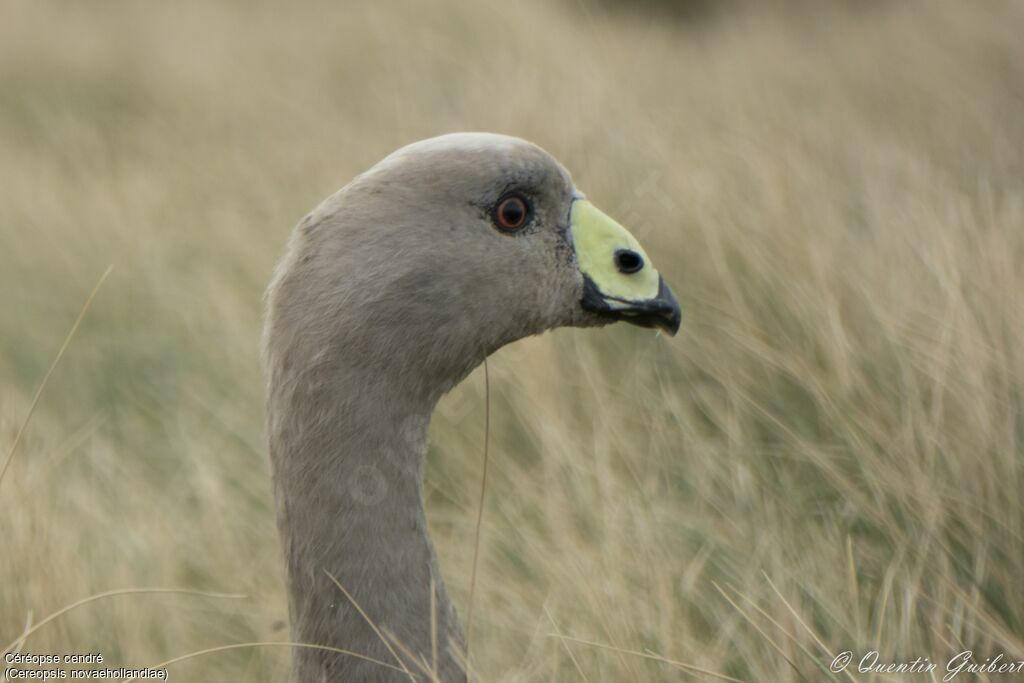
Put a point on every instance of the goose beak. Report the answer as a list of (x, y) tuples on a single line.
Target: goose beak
[(619, 280)]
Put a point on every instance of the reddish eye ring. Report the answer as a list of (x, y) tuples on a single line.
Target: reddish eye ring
[(511, 212)]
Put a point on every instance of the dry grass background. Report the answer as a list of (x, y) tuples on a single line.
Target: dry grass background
[(835, 441)]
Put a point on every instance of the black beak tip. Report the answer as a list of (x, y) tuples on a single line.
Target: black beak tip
[(670, 323), (661, 312), (665, 311)]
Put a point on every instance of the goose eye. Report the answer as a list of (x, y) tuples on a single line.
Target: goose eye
[(511, 213)]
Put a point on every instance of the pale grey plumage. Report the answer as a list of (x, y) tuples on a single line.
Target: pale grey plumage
[(391, 291)]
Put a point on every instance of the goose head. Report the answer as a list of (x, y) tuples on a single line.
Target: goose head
[(454, 246)]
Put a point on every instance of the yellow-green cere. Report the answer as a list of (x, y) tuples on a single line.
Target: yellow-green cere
[(597, 237)]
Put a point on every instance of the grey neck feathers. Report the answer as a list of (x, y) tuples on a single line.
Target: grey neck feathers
[(348, 442)]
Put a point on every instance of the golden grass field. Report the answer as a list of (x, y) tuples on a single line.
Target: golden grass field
[(829, 457)]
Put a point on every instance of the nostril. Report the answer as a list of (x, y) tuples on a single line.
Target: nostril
[(628, 261)]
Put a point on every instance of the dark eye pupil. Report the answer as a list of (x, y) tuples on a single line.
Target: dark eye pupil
[(512, 212)]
